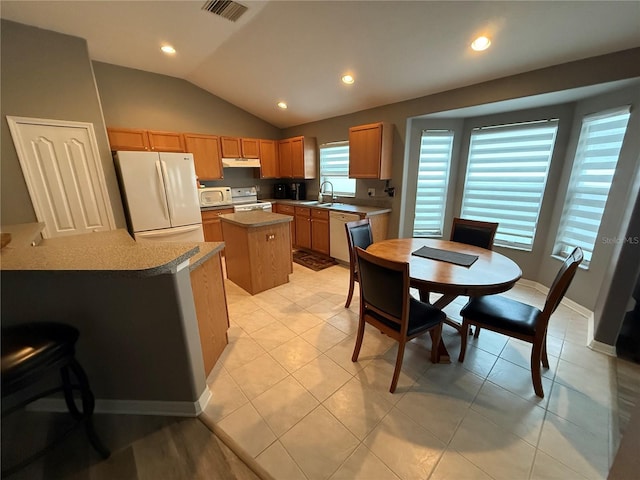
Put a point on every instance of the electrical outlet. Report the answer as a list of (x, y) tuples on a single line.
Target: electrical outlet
[(371, 192)]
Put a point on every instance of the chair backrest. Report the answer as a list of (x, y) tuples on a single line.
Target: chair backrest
[(358, 235), (473, 232), (384, 286), (562, 281)]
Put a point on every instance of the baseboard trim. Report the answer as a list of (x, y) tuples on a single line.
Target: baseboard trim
[(132, 407), (576, 307), (604, 348)]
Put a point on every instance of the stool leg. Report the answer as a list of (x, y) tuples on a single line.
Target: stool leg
[(88, 404)]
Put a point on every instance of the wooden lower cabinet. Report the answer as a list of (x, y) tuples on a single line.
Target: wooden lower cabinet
[(303, 227), (211, 224), (210, 302), (320, 230), (289, 210)]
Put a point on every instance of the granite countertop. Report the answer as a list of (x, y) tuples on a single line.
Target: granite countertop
[(22, 234), (110, 251), (255, 218), (338, 207)]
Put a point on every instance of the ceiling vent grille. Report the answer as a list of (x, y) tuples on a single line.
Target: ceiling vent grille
[(225, 9)]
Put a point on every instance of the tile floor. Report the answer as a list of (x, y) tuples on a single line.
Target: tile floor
[(286, 391)]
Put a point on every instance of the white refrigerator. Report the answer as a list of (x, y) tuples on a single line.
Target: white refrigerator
[(160, 195)]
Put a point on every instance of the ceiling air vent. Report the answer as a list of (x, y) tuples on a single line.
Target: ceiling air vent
[(225, 9)]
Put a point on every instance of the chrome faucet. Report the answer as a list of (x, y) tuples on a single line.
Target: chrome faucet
[(327, 181)]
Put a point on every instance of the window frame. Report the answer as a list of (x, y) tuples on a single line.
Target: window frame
[(441, 184), (592, 207), (343, 177), (517, 230)]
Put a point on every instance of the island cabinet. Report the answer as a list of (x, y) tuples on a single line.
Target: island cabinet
[(320, 230), (297, 157), (206, 155), (207, 283), (211, 224), (303, 227), (153, 140), (269, 167), (258, 249), (370, 149)]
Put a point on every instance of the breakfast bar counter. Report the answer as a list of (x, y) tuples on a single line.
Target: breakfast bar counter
[(152, 316)]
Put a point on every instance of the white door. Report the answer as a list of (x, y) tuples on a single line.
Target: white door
[(142, 184), (180, 185), (64, 176)]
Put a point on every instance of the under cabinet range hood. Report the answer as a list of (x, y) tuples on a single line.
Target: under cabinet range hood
[(241, 162)]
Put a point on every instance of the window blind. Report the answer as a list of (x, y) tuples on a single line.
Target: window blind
[(334, 167), (436, 147), (506, 177), (594, 165)]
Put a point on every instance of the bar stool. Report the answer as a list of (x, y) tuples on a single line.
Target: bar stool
[(32, 351)]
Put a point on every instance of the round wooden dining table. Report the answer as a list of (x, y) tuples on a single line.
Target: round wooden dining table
[(490, 273)]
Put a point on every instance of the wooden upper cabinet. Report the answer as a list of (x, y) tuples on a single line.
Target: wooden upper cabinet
[(231, 147), (269, 159), (284, 158), (370, 148), (250, 147), (128, 139), (206, 155), (297, 157), (165, 141)]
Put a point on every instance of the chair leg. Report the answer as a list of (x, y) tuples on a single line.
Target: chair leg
[(396, 372), (350, 294), (545, 359), (536, 375), (88, 404), (360, 335), (464, 334), (477, 332), (436, 338)]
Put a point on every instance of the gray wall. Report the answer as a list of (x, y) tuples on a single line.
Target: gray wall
[(46, 75)]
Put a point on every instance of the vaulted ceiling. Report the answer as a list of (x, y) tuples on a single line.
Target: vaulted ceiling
[(296, 51)]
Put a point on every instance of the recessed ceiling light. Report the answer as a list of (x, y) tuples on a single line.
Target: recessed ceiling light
[(168, 49), (348, 79), (480, 44), (282, 105)]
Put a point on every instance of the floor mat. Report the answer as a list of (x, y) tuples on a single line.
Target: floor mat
[(312, 261)]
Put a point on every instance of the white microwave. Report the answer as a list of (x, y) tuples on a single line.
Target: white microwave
[(214, 196)]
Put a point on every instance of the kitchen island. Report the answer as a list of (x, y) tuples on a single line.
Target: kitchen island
[(258, 252), (152, 316)]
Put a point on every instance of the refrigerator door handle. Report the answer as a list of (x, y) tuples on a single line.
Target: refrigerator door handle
[(163, 194), (167, 186)]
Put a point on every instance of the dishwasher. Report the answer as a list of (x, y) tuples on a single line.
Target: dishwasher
[(338, 246)]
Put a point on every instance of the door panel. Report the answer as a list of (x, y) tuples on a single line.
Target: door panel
[(180, 184), (63, 174)]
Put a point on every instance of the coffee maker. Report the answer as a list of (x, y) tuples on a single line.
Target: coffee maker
[(298, 191), (281, 190)]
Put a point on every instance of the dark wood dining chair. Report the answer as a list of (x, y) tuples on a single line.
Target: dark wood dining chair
[(358, 235), (473, 232), (386, 304), (476, 233), (519, 320)]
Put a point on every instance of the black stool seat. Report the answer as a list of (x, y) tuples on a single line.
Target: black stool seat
[(31, 352)]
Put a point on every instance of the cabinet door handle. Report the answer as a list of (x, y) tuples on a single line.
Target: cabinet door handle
[(270, 236)]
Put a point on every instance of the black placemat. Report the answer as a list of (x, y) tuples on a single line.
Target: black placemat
[(456, 258)]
